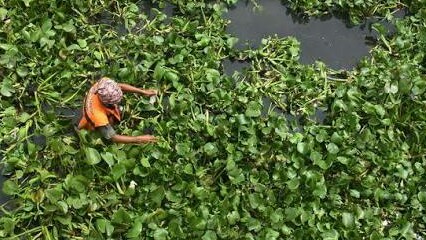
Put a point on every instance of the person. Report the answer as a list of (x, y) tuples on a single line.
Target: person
[(101, 111)]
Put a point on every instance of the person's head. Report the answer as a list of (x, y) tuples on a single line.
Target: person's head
[(109, 92)]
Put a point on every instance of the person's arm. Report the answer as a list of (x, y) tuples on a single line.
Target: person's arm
[(133, 139), (129, 88), (109, 133)]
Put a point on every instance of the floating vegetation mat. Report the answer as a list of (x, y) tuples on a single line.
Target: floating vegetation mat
[(240, 156)]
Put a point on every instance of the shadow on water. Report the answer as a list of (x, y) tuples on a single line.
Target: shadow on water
[(328, 39)]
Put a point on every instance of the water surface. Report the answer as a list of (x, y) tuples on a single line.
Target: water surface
[(329, 40)]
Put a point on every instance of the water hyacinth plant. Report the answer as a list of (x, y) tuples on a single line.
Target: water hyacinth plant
[(239, 157)]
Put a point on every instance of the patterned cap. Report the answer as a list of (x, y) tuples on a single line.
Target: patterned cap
[(109, 92)]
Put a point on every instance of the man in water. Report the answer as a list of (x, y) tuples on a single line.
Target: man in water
[(101, 110)]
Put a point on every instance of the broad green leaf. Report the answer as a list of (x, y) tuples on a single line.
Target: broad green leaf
[(347, 219), (210, 149), (233, 217), (231, 42), (161, 234), (92, 156), (6, 88), (78, 183), (47, 25), (293, 184), (105, 226), (118, 171), (135, 230), (209, 235), (320, 190), (290, 214), (330, 235), (272, 234), (63, 206), (121, 217), (108, 158), (54, 194), (253, 109), (171, 76), (302, 147), (332, 148), (157, 195), (159, 72), (22, 71), (158, 40), (145, 162), (3, 13), (422, 196), (82, 43), (10, 187)]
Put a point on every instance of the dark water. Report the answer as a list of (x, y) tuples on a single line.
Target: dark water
[(3, 197), (329, 40)]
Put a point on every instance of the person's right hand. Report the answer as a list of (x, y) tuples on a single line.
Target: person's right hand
[(147, 139)]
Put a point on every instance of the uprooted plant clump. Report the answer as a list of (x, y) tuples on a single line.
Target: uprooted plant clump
[(227, 167)]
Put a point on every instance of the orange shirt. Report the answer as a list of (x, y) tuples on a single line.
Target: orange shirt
[(95, 113)]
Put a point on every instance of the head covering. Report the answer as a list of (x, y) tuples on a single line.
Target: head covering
[(108, 91)]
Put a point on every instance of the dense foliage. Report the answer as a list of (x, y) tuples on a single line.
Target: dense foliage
[(228, 166)]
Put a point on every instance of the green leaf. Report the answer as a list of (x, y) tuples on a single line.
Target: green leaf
[(92, 156), (158, 40), (63, 206), (210, 149), (209, 235), (117, 171), (233, 217), (121, 217), (160, 234), (47, 25), (22, 71), (422, 196), (105, 226), (293, 184), (330, 235), (78, 183), (171, 76), (3, 13), (10, 187), (135, 230), (302, 147), (145, 162), (82, 43), (157, 195), (253, 109), (6, 88), (320, 190), (108, 158), (332, 148), (347, 219), (272, 234), (54, 194), (380, 110), (159, 72), (182, 148), (230, 42), (290, 214), (8, 225)]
